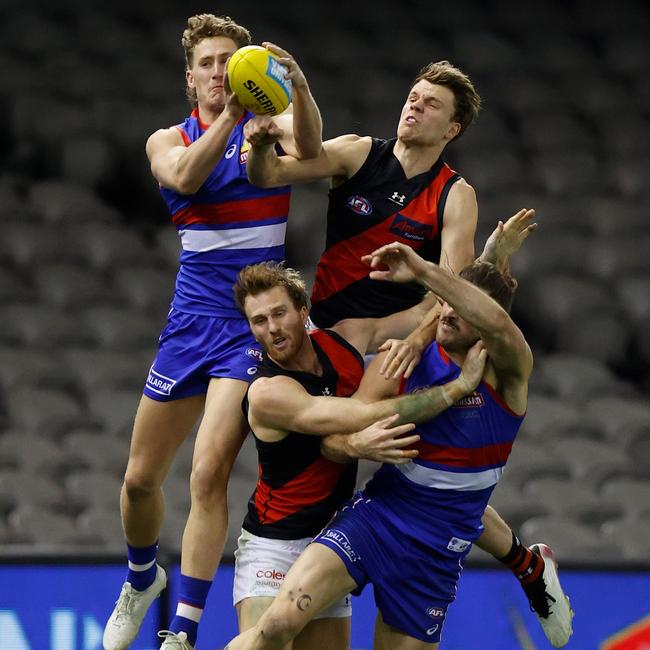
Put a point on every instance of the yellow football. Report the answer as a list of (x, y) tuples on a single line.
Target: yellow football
[(257, 78)]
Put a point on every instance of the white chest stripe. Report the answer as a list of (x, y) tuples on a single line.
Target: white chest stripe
[(202, 241), (441, 480)]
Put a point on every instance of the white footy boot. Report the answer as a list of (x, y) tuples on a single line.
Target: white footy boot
[(130, 608), (551, 604)]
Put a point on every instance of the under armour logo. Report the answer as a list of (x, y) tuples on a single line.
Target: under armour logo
[(398, 198), (327, 392)]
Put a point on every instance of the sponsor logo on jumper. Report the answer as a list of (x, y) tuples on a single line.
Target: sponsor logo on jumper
[(359, 205), (435, 612), (256, 354), (243, 152), (326, 391), (159, 383), (432, 630), (398, 198), (339, 539), (252, 370), (230, 152), (409, 229), (277, 71), (475, 400), (458, 545)]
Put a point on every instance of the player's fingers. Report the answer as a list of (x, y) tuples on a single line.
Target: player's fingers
[(387, 422), (408, 441), (411, 367)]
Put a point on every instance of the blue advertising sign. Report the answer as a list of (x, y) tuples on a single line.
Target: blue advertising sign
[(63, 607)]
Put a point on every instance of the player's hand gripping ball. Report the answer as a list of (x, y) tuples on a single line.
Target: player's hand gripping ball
[(257, 79)]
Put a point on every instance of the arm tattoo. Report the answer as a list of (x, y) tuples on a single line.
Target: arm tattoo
[(422, 405)]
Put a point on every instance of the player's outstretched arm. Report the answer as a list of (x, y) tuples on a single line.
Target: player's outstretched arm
[(339, 158), (280, 404), (301, 124)]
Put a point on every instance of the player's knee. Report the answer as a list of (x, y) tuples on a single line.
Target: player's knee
[(139, 484), (279, 627), (207, 483)]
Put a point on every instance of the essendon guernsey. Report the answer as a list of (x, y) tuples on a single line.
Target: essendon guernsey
[(377, 206), (298, 490)]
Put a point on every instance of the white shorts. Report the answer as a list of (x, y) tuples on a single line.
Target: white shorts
[(262, 563)]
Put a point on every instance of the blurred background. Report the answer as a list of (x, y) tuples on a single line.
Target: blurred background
[(88, 256)]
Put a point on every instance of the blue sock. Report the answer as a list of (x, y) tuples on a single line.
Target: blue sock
[(142, 565), (192, 594)]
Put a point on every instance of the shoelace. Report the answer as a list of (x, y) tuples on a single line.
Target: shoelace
[(540, 600), (125, 602)]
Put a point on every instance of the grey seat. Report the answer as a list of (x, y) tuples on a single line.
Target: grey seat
[(578, 378), (632, 494), (24, 487), (513, 506), (529, 459), (561, 497), (118, 328), (547, 417), (571, 541), (47, 527), (613, 258), (592, 461), (107, 246), (94, 488), (145, 288), (618, 416), (26, 367), (104, 523), (634, 294), (59, 201), (101, 453), (114, 409), (57, 411), (88, 161), (96, 368), (34, 453), (68, 286), (631, 535)]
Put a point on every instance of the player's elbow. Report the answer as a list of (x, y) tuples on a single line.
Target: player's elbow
[(187, 185)]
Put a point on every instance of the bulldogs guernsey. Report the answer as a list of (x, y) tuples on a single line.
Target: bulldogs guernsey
[(442, 494), (226, 225), (299, 490), (377, 206)]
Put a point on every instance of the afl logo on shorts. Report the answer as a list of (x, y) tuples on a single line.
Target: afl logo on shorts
[(231, 151), (359, 205)]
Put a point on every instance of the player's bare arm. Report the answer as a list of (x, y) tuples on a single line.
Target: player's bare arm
[(458, 227), (339, 159), (185, 168), (279, 404), (509, 353)]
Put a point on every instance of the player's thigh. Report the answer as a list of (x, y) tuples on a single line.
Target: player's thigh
[(330, 633), (222, 429), (158, 431), (388, 638), (316, 580)]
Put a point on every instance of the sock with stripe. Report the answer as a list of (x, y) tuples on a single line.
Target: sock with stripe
[(142, 565), (192, 594), (527, 566)]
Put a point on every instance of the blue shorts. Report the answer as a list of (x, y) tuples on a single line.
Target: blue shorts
[(413, 583), (192, 349)]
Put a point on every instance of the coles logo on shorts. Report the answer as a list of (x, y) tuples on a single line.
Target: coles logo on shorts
[(359, 205), (458, 545), (159, 383)]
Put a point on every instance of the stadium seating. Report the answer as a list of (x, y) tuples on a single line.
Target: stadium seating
[(87, 259)]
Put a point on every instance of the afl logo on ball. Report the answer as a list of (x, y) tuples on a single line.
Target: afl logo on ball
[(359, 205)]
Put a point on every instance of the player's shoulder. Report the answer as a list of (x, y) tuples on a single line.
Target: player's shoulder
[(349, 141), (461, 195), (164, 138)]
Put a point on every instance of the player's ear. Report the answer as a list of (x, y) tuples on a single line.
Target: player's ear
[(189, 78), (453, 131)]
